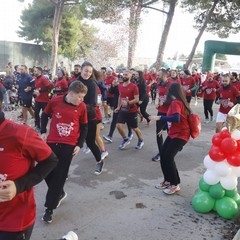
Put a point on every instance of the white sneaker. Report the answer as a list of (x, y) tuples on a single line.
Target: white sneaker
[(106, 120), (104, 155), (206, 120), (87, 150), (70, 236)]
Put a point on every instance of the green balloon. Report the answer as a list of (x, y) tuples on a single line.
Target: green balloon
[(227, 207), (203, 185), (202, 202), (217, 191), (231, 193), (236, 198)]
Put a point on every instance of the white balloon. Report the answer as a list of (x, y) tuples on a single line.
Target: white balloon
[(235, 134), (229, 182), (235, 171), (209, 163), (222, 169), (210, 177)]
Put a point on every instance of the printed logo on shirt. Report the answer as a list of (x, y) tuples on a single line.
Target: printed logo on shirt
[(225, 102), (185, 87), (58, 115), (3, 177), (64, 129), (1, 149), (208, 90)]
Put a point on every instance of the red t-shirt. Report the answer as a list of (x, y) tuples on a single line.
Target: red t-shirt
[(42, 83), (128, 92), (108, 82), (177, 80), (162, 91), (20, 147), (66, 120), (188, 84), (236, 84), (209, 93), (178, 129), (226, 96), (61, 84)]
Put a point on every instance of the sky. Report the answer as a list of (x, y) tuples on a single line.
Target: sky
[(180, 39)]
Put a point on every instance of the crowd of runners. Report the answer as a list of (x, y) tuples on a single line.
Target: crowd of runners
[(83, 102)]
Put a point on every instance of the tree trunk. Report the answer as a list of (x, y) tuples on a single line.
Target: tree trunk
[(56, 28), (134, 21), (167, 26), (190, 57)]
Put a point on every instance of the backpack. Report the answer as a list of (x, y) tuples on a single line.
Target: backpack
[(194, 124)]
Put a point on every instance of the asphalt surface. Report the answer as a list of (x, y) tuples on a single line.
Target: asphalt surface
[(123, 204)]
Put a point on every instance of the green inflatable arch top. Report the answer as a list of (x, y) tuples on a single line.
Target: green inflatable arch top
[(213, 47)]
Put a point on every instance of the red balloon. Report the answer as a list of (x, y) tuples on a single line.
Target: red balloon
[(234, 159), (225, 133), (216, 139), (228, 145), (216, 154), (238, 143)]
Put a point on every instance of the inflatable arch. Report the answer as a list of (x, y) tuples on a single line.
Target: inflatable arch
[(213, 47)]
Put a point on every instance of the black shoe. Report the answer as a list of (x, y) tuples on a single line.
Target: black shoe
[(156, 158), (47, 217), (99, 168), (61, 198)]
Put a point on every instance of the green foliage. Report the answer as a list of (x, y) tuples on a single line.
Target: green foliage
[(225, 19), (75, 37)]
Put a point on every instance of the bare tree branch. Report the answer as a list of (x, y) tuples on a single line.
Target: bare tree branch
[(156, 9)]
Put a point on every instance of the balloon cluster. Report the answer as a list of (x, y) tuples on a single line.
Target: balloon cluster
[(218, 187)]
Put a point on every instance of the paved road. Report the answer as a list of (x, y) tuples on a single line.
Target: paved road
[(122, 203)]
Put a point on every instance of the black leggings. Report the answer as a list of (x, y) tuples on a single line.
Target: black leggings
[(143, 108), (160, 126), (114, 123), (23, 235), (57, 178), (153, 92), (38, 107), (188, 98), (170, 149), (90, 140), (208, 107)]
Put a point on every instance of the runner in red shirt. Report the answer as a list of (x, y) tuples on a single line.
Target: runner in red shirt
[(42, 90), (188, 85), (162, 108), (110, 97), (21, 147), (209, 88), (147, 77), (76, 73), (174, 77), (127, 108), (178, 136), (234, 81), (61, 84), (66, 136), (227, 97)]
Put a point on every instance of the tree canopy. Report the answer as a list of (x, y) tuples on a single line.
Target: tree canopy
[(75, 38)]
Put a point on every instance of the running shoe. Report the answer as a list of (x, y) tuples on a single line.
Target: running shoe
[(124, 143), (206, 120), (130, 137), (104, 154), (99, 168), (163, 185), (61, 198), (47, 217), (171, 189), (108, 138), (156, 158), (87, 150), (139, 144), (70, 236)]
